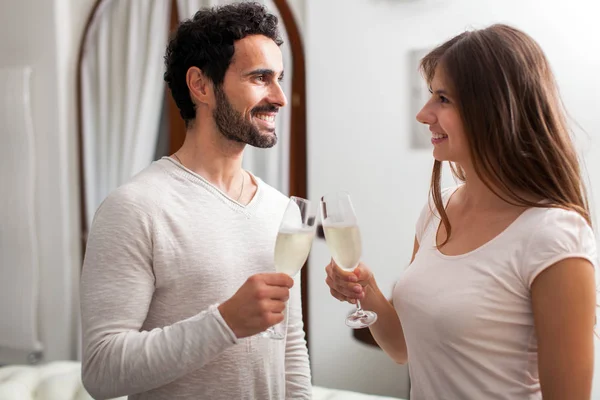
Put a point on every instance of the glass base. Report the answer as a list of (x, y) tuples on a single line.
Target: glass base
[(272, 334), (361, 319)]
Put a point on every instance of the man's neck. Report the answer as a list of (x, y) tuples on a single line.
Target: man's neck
[(217, 159)]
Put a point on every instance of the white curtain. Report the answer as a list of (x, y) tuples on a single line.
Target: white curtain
[(271, 165), (122, 93), (187, 8), (19, 262)]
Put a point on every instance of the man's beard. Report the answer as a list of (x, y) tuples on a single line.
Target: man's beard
[(233, 126)]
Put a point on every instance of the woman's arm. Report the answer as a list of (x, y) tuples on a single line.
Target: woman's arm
[(361, 285), (564, 304), (387, 331)]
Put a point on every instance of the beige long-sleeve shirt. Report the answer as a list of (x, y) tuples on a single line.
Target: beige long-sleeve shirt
[(163, 251)]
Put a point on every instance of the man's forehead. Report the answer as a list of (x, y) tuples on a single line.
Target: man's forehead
[(257, 52)]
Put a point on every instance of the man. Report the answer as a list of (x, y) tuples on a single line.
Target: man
[(178, 275)]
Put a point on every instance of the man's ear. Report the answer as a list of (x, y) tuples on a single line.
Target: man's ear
[(199, 85)]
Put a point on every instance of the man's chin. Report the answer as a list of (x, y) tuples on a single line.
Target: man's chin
[(268, 134), (266, 140), (263, 130), (264, 144)]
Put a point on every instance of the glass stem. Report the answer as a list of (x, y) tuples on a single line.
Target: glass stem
[(359, 310)]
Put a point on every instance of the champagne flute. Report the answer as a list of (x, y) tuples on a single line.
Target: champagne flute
[(294, 240), (343, 240)]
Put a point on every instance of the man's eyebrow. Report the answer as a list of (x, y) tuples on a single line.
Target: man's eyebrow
[(260, 71), (263, 71)]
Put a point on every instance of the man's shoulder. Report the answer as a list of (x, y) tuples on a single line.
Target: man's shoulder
[(141, 191), (272, 194)]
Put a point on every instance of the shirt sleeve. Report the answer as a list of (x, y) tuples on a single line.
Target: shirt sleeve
[(297, 369), (117, 286), (560, 235)]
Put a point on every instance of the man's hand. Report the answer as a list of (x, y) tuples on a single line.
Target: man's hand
[(258, 304)]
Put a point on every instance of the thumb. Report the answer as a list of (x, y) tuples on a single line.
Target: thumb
[(362, 272)]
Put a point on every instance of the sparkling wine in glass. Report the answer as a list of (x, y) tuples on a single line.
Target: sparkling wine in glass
[(294, 240), (343, 240)]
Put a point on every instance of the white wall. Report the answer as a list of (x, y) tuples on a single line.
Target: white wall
[(358, 132), (299, 10)]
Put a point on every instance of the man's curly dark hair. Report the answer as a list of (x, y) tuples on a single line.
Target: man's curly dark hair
[(207, 41)]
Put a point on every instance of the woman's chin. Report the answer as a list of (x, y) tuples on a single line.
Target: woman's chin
[(439, 155)]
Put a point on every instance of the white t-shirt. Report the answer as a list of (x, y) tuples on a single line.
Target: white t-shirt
[(467, 319)]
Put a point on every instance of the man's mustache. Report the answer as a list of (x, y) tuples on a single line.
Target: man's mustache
[(265, 109)]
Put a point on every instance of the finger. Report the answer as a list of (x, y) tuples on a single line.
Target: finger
[(270, 319), (351, 290), (341, 297), (277, 293), (342, 274), (347, 286), (334, 271), (337, 295), (274, 319), (277, 306), (278, 279), (347, 289), (362, 273), (329, 268), (272, 306)]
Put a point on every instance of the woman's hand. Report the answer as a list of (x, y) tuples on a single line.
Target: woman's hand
[(348, 285)]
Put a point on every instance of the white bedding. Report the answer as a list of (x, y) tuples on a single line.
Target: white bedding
[(61, 381), (320, 393)]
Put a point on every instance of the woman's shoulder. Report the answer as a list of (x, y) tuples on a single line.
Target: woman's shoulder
[(556, 219), (551, 235)]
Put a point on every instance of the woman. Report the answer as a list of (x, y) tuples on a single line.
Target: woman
[(499, 299)]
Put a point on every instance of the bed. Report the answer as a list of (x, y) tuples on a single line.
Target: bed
[(60, 380)]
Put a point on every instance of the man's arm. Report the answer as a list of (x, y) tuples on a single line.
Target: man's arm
[(117, 286), (297, 369)]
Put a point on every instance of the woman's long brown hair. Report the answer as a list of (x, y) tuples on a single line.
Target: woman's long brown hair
[(513, 118)]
